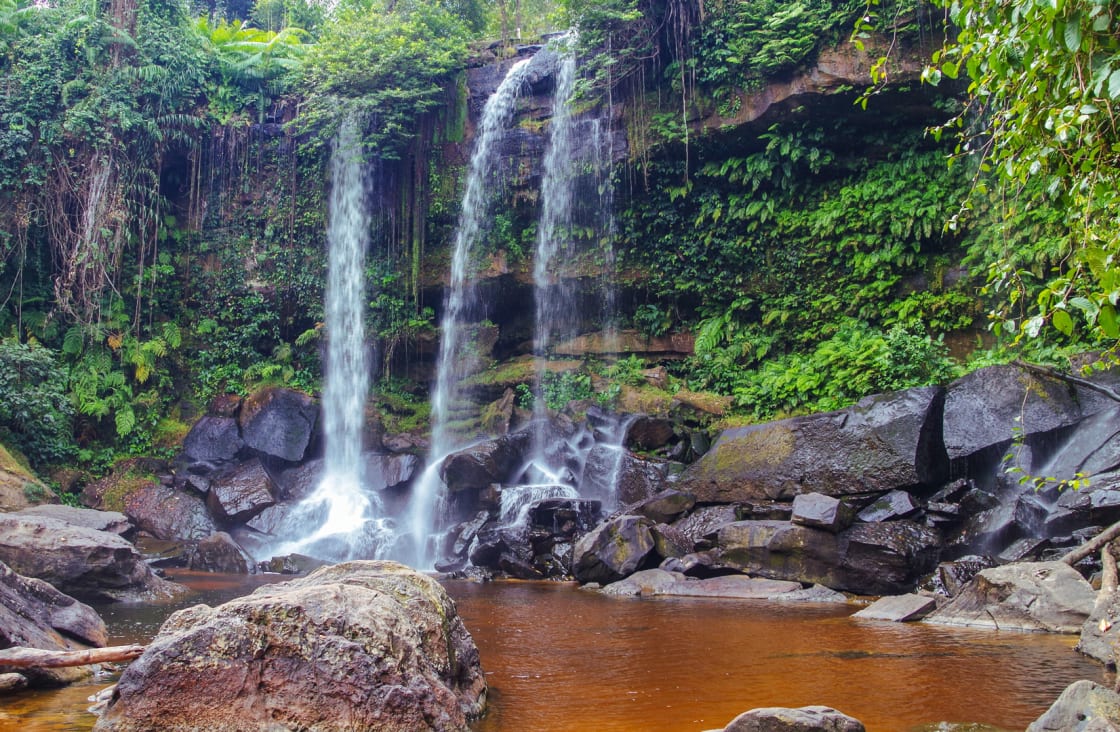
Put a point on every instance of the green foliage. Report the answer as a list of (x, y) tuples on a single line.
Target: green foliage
[(1041, 119), (391, 67), (568, 386), (853, 363), (35, 412)]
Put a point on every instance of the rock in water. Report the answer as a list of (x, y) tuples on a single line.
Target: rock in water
[(367, 645), (805, 719), (1082, 706)]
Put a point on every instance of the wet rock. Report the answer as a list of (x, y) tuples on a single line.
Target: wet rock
[(665, 507), (1092, 447), (241, 494), (644, 583), (278, 422), (764, 511), (898, 608), (386, 472), (950, 577), (736, 586), (1041, 596), (34, 614), (212, 441), (466, 532), (705, 521), (669, 542), (873, 559), (884, 442), (497, 417), (1083, 707), (94, 566), (564, 517), (637, 479), (219, 553), (19, 486), (491, 461), (359, 645), (891, 507), (821, 512), (614, 550), (982, 409), (113, 522), (169, 514), (805, 719), (1021, 550), (648, 434)]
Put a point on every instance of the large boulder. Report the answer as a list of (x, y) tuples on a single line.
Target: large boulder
[(242, 493), (1039, 596), (882, 443), (33, 614), (169, 514), (212, 441), (90, 565), (871, 559), (805, 719), (1083, 707), (487, 462), (613, 550), (614, 475), (219, 553), (360, 645), (279, 423), (114, 522), (985, 408)]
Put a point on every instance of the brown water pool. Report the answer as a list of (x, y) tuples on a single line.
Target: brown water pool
[(560, 659)]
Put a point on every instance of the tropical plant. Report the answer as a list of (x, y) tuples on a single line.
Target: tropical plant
[(35, 412)]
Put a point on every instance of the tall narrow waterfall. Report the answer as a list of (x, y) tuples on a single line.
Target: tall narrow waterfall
[(339, 520), (455, 357), (554, 298)]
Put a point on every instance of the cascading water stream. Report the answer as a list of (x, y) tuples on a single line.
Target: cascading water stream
[(455, 360), (343, 516), (554, 299)]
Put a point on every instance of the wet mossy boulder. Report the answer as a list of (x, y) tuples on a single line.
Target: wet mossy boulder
[(882, 443), (279, 423), (360, 645), (487, 462), (613, 550)]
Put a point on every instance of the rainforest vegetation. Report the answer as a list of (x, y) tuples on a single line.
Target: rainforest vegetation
[(162, 196)]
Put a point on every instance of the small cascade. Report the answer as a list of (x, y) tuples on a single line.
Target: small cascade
[(517, 500), (455, 359), (340, 519)]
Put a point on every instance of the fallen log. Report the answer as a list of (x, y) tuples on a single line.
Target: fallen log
[(1069, 378), (21, 657), (1093, 545)]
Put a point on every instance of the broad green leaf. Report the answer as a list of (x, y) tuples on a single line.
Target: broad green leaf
[(1072, 33), (1108, 322), (1063, 322)]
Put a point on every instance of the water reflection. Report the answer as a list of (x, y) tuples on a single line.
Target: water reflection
[(562, 659), (559, 659)]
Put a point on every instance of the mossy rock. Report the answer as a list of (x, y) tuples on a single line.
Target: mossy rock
[(19, 486)]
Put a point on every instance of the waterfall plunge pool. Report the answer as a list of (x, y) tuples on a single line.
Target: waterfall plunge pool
[(561, 659)]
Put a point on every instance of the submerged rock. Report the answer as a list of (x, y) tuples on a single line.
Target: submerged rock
[(359, 645), (1041, 596)]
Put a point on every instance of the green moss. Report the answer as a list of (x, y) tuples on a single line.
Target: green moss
[(116, 496)]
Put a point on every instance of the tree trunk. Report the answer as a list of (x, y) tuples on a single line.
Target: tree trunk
[(20, 657), (1092, 545)]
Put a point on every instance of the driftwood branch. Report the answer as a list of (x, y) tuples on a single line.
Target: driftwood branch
[(1070, 378), (20, 657), (1094, 544), (1110, 577)]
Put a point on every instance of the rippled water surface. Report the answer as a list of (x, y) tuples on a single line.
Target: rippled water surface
[(559, 659)]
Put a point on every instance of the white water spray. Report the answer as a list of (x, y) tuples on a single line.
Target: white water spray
[(455, 361), (342, 515)]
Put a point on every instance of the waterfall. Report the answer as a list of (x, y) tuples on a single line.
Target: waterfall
[(554, 298), (455, 359), (343, 517)]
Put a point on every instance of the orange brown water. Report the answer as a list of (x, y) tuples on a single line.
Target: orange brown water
[(559, 659)]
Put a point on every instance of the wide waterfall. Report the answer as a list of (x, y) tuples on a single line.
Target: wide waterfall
[(340, 519), (455, 355)]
